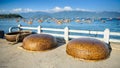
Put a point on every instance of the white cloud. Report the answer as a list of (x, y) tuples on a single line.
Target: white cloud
[(17, 10), (55, 9), (67, 8), (78, 9), (27, 10), (59, 9), (2, 11)]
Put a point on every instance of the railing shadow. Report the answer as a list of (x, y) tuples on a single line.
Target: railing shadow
[(110, 49)]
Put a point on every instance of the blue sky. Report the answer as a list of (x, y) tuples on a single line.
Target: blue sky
[(59, 5)]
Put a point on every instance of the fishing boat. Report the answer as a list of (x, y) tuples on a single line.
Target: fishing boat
[(17, 36)]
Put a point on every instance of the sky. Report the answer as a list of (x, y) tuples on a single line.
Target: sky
[(59, 5)]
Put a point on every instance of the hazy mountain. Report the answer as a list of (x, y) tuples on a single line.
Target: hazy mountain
[(34, 14), (71, 14)]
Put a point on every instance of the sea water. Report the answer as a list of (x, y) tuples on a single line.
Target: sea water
[(113, 25)]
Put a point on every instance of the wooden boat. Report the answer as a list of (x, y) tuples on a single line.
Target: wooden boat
[(17, 36), (39, 42), (88, 49)]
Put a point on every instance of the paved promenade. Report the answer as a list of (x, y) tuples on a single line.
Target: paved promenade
[(13, 56)]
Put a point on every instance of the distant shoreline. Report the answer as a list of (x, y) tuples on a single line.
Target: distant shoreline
[(2, 16)]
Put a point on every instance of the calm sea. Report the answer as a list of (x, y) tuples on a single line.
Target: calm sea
[(113, 25)]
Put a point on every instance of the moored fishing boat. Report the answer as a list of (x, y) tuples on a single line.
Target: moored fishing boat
[(17, 36)]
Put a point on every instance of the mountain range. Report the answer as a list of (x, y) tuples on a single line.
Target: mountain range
[(71, 14)]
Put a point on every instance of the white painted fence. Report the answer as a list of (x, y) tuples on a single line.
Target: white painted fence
[(106, 33)]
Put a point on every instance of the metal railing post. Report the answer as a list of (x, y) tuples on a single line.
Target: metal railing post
[(39, 29), (19, 27), (66, 34), (106, 35)]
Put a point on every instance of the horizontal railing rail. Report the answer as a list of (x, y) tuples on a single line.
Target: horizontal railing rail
[(66, 33), (87, 31)]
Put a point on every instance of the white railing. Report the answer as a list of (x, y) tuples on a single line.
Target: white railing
[(106, 33)]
